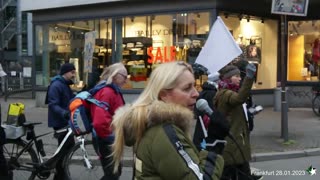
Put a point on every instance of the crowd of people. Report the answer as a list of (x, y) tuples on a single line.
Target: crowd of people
[(157, 125)]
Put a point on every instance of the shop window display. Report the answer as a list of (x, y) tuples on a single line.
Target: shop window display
[(152, 40), (140, 42), (250, 33), (303, 51), (63, 42), (143, 42)]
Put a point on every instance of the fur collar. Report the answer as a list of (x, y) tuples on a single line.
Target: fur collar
[(156, 113), (161, 112)]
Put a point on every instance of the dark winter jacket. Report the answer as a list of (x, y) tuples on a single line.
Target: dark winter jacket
[(157, 157), (230, 103), (59, 96), (208, 92), (101, 118)]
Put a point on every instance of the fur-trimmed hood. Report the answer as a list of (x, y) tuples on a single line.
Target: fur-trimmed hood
[(161, 112), (156, 113)]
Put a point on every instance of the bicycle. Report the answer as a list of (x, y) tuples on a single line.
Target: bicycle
[(316, 100), (28, 163), (80, 157)]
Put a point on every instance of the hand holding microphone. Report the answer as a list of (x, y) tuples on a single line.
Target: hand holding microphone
[(218, 127)]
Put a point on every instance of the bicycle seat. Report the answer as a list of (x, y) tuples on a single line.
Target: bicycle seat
[(30, 124)]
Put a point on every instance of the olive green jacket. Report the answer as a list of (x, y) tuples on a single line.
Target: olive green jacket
[(230, 103), (157, 158)]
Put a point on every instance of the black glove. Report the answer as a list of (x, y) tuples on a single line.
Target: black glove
[(218, 127), (218, 148)]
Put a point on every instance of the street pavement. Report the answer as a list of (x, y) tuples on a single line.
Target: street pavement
[(266, 141)]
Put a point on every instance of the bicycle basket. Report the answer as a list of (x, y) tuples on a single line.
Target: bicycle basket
[(13, 132)]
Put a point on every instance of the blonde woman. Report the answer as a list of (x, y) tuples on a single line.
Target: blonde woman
[(157, 124), (115, 77)]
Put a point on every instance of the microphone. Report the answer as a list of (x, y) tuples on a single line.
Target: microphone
[(203, 106)]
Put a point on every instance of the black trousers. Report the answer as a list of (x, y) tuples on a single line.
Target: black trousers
[(60, 174), (104, 150), (237, 172)]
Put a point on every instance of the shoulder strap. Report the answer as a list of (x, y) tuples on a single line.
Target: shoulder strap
[(168, 129), (101, 104)]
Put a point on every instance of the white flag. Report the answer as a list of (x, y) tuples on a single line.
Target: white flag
[(219, 49)]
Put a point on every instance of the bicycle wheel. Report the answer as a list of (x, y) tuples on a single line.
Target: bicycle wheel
[(316, 105), (75, 164), (19, 165)]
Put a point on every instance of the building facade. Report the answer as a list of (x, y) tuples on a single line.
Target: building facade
[(142, 34)]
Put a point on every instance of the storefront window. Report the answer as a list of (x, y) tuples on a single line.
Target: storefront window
[(140, 42), (63, 42), (143, 42), (152, 40), (303, 51), (258, 39)]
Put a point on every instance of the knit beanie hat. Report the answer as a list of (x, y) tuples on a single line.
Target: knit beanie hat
[(67, 67), (229, 71)]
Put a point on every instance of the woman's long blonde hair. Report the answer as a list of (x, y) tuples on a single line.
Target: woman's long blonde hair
[(129, 123)]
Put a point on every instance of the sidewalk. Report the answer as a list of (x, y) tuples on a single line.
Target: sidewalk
[(303, 127), (304, 132)]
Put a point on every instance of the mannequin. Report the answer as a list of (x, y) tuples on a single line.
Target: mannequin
[(254, 54)]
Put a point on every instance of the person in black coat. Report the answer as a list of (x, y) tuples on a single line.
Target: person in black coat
[(59, 96), (209, 89)]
